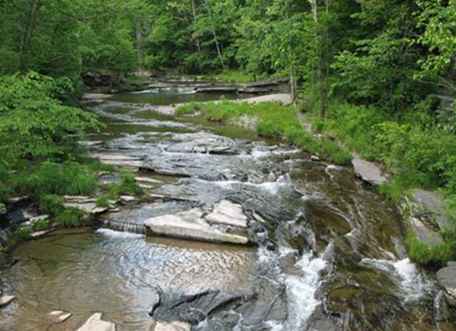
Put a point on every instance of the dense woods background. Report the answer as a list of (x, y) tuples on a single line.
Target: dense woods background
[(377, 74)]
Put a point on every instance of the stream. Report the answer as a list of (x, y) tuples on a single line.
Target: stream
[(327, 251)]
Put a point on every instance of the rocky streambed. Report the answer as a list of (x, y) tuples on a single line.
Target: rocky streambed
[(235, 233)]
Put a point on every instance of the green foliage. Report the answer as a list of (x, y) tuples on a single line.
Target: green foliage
[(23, 233), (69, 178), (51, 204), (70, 217), (34, 124), (41, 225)]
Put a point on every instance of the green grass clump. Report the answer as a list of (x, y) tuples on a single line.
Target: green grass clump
[(70, 217), (435, 256), (69, 178), (127, 185)]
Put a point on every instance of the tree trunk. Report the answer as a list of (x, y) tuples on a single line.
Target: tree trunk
[(28, 34), (198, 46), (293, 83), (140, 42), (322, 70), (214, 33)]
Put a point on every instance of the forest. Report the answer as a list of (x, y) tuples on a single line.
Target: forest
[(276, 165), (376, 76)]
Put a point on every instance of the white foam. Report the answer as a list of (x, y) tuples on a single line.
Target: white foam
[(118, 234), (413, 285), (301, 291), (271, 187)]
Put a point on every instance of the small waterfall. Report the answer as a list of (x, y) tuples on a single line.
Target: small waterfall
[(118, 234), (125, 226), (412, 283), (301, 290)]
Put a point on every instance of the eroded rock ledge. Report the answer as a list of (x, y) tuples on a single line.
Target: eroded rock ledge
[(226, 223)]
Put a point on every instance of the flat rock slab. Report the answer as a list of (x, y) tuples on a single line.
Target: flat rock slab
[(90, 208), (190, 225), (168, 326), (368, 172), (118, 159), (58, 316), (6, 300), (227, 213), (201, 142), (96, 96), (282, 98), (95, 323)]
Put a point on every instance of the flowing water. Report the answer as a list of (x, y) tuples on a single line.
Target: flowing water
[(328, 253)]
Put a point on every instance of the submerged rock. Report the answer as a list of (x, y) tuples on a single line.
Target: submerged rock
[(368, 172), (190, 225), (6, 300), (58, 316), (196, 307), (95, 323)]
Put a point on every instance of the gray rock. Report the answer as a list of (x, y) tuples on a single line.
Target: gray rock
[(118, 159), (201, 142), (368, 172), (441, 310), (85, 204), (58, 316), (40, 234), (192, 226), (95, 323), (432, 204), (451, 264), (446, 278), (126, 199), (227, 213), (168, 326), (6, 300), (425, 234)]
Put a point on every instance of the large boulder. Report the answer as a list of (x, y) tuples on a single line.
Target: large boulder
[(95, 323), (446, 278), (368, 172), (431, 205)]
